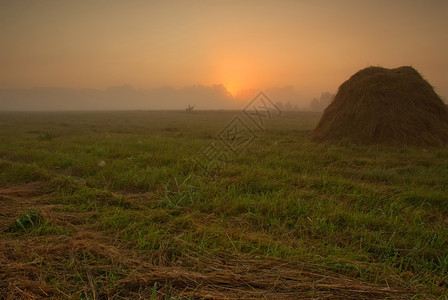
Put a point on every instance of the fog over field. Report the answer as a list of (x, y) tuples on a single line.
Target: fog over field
[(128, 98), (79, 55)]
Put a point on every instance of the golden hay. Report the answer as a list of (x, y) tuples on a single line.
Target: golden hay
[(386, 106)]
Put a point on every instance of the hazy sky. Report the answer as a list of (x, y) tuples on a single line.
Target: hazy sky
[(312, 45)]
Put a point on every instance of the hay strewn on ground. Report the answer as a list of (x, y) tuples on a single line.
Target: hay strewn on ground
[(85, 262), (83, 265), (389, 106)]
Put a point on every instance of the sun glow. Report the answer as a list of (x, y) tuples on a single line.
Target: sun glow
[(238, 86), (236, 74), (232, 88)]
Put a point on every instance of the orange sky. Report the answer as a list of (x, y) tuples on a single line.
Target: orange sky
[(312, 45)]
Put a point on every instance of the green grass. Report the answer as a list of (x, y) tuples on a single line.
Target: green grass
[(370, 212), (31, 222)]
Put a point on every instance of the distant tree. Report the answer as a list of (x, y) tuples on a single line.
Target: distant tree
[(325, 99), (321, 103), (315, 104)]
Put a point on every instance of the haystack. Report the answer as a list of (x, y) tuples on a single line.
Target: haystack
[(387, 106)]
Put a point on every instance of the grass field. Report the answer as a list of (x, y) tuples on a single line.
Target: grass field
[(99, 205)]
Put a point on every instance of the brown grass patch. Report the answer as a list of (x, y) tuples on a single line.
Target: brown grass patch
[(81, 264), (91, 265)]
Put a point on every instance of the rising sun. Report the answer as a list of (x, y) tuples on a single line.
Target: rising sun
[(232, 88)]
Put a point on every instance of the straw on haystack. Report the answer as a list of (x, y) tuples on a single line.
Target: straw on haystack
[(390, 106)]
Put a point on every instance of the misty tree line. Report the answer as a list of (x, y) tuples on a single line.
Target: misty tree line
[(316, 104), (321, 103)]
